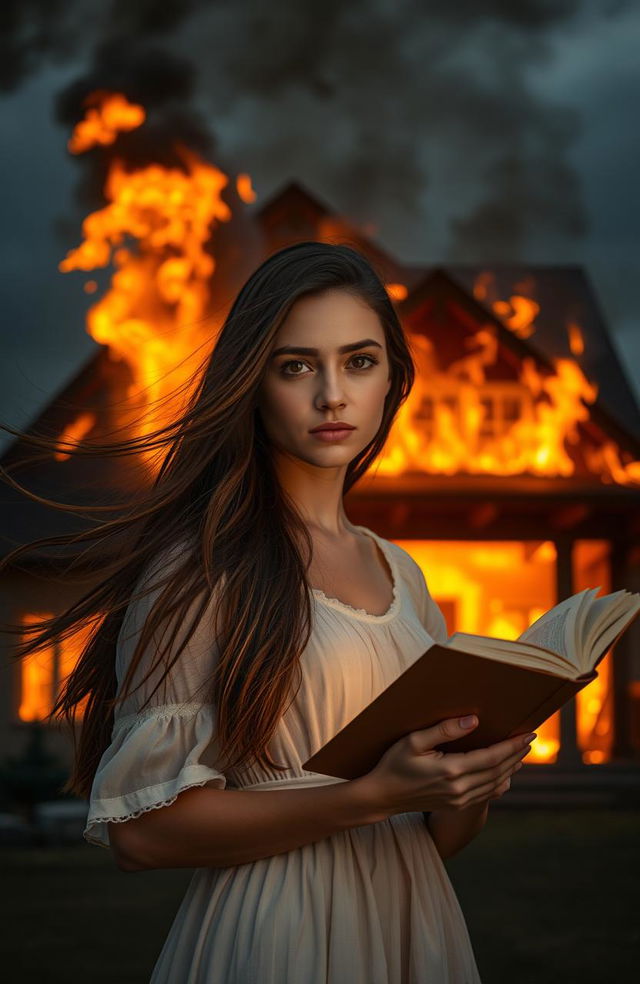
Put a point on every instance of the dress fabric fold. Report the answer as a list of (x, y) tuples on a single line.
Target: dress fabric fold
[(369, 905)]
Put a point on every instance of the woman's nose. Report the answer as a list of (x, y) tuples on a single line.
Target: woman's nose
[(330, 391)]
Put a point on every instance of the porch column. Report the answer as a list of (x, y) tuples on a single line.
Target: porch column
[(622, 747), (568, 753)]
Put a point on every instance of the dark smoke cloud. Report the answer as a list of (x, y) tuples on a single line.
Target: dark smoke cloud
[(430, 119), (35, 33), (164, 84), (388, 104), (378, 105)]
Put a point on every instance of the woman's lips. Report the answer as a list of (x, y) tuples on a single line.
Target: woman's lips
[(333, 435)]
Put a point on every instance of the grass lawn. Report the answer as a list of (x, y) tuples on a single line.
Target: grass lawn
[(549, 896), (553, 896)]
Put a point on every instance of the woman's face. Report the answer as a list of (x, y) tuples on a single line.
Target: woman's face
[(313, 382)]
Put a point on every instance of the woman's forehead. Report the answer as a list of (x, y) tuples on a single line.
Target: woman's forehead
[(328, 320)]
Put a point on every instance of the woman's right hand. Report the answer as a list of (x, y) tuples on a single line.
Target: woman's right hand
[(413, 776)]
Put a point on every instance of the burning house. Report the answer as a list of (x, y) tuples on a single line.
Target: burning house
[(512, 473)]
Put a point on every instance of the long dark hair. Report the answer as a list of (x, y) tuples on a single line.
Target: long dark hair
[(216, 492)]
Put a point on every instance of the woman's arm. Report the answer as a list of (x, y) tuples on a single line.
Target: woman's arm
[(216, 828), (452, 830)]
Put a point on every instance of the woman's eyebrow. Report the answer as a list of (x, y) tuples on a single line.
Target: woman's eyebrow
[(297, 350)]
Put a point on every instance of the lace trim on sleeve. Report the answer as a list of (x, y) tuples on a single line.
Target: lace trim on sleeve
[(184, 710), (153, 806), (154, 755)]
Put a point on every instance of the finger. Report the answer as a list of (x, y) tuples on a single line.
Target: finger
[(491, 793), (507, 765), (488, 778), (446, 730), (495, 779), (488, 757), (489, 789)]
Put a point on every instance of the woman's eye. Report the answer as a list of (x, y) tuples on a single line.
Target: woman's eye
[(372, 361), (293, 362), (297, 362)]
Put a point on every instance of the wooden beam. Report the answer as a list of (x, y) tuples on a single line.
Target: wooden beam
[(482, 515), (621, 663), (567, 517)]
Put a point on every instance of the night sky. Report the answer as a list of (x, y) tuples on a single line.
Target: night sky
[(465, 132)]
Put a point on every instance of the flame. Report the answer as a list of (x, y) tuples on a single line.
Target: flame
[(75, 432), (456, 420), (112, 114), (607, 461), (155, 229), (150, 315), (576, 338), (245, 189), (397, 292), (518, 313)]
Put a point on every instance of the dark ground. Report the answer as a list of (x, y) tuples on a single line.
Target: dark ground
[(549, 896)]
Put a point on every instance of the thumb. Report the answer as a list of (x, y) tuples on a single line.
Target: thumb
[(448, 729)]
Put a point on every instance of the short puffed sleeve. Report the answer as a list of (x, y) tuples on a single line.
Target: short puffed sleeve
[(427, 608), (169, 745), (431, 614)]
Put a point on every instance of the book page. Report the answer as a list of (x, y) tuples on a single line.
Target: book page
[(550, 634), (581, 626), (513, 651), (620, 617), (555, 628), (603, 613), (566, 640)]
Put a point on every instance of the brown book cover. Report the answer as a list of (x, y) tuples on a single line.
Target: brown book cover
[(444, 683)]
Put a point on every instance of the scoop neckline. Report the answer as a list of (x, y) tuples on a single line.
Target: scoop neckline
[(362, 613)]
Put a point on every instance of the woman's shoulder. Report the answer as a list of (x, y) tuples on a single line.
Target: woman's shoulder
[(407, 570), (162, 568), (428, 610), (402, 557), (167, 558)]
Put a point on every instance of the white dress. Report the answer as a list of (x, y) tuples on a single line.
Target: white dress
[(369, 905)]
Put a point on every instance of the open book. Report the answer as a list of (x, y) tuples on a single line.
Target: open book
[(512, 685)]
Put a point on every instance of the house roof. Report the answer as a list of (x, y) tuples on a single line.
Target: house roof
[(564, 294)]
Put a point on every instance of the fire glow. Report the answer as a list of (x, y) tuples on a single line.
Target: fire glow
[(151, 316), (457, 421), (157, 229)]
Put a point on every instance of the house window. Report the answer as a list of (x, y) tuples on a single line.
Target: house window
[(43, 673), (502, 405)]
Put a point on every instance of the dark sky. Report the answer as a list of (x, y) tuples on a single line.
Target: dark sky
[(464, 131)]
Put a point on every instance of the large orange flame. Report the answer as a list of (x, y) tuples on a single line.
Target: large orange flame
[(456, 420), (155, 229)]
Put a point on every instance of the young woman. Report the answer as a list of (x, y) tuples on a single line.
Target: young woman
[(283, 620)]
